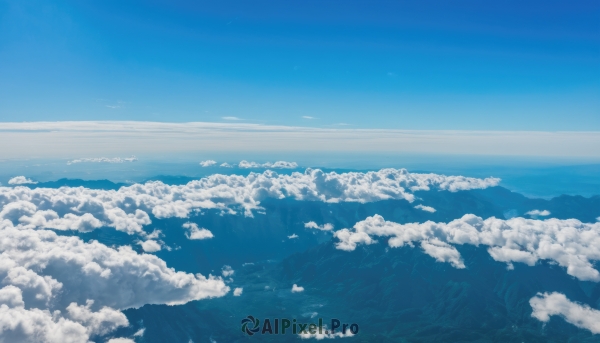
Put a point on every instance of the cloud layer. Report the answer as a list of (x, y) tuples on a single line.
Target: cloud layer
[(127, 209), (88, 283), (109, 138), (570, 243)]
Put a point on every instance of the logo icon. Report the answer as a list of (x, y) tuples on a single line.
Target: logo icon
[(250, 325)]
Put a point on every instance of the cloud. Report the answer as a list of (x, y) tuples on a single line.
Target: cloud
[(308, 117), (238, 291), (425, 208), (36, 326), (319, 336), (103, 160), (230, 118), (127, 209), (443, 252), (324, 227), (569, 243), (62, 289), (293, 236), (538, 213), (102, 322), (65, 139), (227, 271), (277, 165), (20, 180), (120, 340), (208, 163), (150, 246), (139, 333), (556, 304), (195, 232), (297, 289), (226, 165)]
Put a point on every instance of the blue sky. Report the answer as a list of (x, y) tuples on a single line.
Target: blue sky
[(471, 65)]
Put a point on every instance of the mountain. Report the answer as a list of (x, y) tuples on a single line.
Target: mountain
[(394, 294)]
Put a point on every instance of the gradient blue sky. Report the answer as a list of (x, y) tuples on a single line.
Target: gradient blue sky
[(468, 65)]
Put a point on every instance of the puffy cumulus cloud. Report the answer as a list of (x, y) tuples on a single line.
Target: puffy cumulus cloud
[(425, 208), (297, 289), (322, 335), (103, 160), (556, 304), (194, 232), (324, 227), (538, 213), (276, 165), (238, 291), (61, 289), (105, 321), (127, 209), (569, 243), (150, 245), (225, 165), (21, 180), (48, 268), (208, 163), (18, 324)]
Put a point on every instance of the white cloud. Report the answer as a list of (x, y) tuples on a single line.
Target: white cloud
[(195, 232), (127, 208), (425, 208), (230, 118), (538, 213), (308, 117), (227, 271), (61, 289), (570, 243), (150, 246), (37, 326), (324, 227), (293, 236), (443, 252), (139, 333), (238, 291), (556, 304), (102, 322), (120, 340), (297, 289), (319, 336), (225, 165), (277, 165), (64, 139), (103, 160), (208, 163), (21, 180)]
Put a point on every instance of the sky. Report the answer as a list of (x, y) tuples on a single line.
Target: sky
[(405, 65)]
